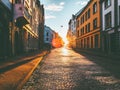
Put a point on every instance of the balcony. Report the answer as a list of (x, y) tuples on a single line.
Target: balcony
[(21, 15)]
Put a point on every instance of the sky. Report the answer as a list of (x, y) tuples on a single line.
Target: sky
[(59, 12)]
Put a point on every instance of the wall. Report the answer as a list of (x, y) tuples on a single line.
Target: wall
[(105, 11)]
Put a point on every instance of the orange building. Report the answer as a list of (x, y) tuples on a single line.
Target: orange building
[(88, 26)]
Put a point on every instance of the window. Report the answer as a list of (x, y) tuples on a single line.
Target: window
[(108, 20), (83, 18), (95, 23), (86, 16), (107, 3), (88, 27), (88, 13), (47, 34), (94, 7), (82, 30)]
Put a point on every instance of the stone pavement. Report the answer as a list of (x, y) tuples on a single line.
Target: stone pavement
[(15, 72), (64, 69)]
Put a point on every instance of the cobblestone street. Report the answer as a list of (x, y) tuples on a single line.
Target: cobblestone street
[(64, 69)]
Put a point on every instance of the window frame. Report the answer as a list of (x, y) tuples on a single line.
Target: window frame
[(88, 14), (119, 15), (94, 7), (88, 27), (95, 23), (108, 24), (107, 5)]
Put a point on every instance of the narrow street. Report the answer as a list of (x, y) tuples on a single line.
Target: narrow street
[(64, 69), (32, 38)]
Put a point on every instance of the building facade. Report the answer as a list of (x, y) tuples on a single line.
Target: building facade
[(5, 28), (51, 38), (72, 32), (88, 26), (41, 27), (110, 10), (48, 35), (27, 19), (21, 26)]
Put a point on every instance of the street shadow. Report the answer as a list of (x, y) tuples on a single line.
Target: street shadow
[(110, 64), (16, 64)]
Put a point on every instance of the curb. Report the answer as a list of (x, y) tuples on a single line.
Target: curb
[(25, 79), (19, 87), (15, 73)]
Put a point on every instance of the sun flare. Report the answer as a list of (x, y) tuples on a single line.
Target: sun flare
[(65, 41)]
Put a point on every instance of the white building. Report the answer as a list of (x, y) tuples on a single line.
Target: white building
[(110, 12), (72, 32), (48, 35)]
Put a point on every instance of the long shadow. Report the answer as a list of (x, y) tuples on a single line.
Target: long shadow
[(9, 67), (110, 64)]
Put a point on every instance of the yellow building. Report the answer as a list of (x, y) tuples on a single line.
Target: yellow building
[(88, 26)]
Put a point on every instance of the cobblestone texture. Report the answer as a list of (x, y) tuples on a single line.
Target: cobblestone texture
[(63, 69)]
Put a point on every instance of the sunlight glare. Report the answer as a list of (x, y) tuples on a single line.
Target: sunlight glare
[(65, 40), (65, 51)]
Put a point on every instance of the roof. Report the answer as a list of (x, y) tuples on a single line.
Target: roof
[(78, 13), (82, 10)]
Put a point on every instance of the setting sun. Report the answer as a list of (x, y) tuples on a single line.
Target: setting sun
[(65, 41)]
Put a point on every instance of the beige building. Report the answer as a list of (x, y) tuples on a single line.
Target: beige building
[(27, 22)]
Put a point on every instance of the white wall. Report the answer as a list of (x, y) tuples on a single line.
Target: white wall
[(50, 35), (73, 26), (105, 11), (118, 11)]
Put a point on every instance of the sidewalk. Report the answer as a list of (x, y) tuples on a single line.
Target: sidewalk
[(15, 71)]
